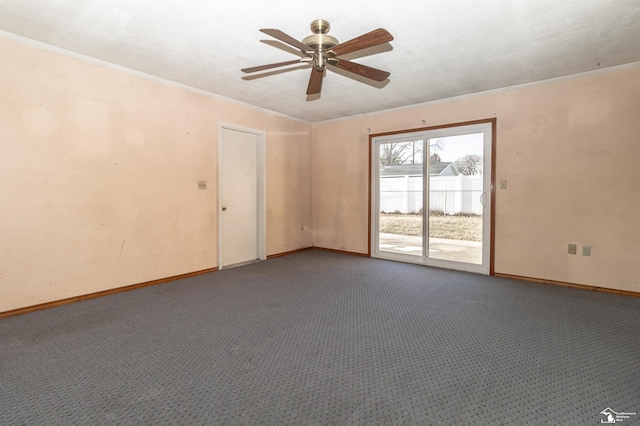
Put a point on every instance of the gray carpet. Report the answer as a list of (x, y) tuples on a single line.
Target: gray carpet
[(326, 339)]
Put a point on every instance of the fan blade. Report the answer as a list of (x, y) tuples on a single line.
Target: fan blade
[(287, 39), (269, 66), (363, 70), (315, 81), (369, 39)]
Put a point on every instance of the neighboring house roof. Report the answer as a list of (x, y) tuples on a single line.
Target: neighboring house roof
[(435, 169)]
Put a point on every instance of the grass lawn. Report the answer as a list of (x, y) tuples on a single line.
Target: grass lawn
[(467, 228)]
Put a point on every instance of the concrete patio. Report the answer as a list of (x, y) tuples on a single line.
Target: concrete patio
[(439, 248)]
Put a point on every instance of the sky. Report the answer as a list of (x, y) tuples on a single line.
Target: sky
[(454, 147), (449, 148)]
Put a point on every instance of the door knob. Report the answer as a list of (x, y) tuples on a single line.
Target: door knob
[(224, 208)]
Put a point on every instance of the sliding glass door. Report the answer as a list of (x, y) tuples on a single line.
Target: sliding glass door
[(431, 197)]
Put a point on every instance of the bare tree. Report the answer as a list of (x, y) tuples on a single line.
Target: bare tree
[(435, 158), (395, 154), (436, 144), (469, 164)]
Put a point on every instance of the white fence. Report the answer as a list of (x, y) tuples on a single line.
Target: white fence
[(449, 194)]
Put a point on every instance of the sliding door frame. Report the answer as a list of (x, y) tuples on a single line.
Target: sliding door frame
[(493, 123)]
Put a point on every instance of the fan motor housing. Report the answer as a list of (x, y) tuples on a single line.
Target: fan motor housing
[(320, 40)]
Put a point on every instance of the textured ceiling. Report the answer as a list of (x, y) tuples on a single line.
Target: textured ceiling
[(442, 48)]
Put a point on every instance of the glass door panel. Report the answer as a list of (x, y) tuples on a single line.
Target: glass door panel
[(455, 198), (401, 201)]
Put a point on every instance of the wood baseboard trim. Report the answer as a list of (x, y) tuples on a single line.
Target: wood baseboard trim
[(286, 253), (61, 302), (47, 305), (572, 285), (352, 253)]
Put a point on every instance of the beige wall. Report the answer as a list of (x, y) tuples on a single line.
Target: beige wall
[(570, 151), (99, 171)]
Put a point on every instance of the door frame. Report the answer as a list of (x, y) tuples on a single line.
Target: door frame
[(492, 185), (261, 215)]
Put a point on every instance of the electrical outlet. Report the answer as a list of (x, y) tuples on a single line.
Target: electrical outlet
[(573, 248), (586, 250)]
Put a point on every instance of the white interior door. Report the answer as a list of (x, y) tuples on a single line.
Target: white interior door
[(240, 196)]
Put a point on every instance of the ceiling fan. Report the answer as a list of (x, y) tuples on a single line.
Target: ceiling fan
[(320, 49)]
